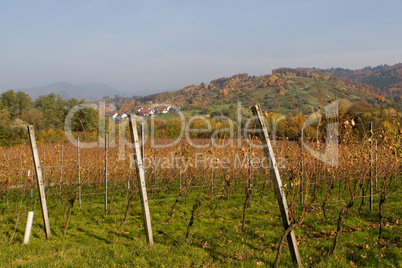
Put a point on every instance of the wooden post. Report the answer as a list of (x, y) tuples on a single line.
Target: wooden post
[(106, 147), (371, 165), (212, 168), (301, 167), (141, 180), (61, 172), (179, 166), (142, 142), (277, 182), (79, 172), (376, 170), (29, 174), (41, 185), (249, 167)]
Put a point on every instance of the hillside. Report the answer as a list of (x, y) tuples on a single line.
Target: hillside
[(386, 80), (282, 92), (382, 76)]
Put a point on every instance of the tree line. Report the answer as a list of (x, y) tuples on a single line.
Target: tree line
[(47, 114)]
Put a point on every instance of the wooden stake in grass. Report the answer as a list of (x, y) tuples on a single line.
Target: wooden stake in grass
[(61, 173), (248, 189), (106, 171), (41, 185), (79, 172), (277, 182), (141, 180)]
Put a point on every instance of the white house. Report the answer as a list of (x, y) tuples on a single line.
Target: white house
[(163, 109)]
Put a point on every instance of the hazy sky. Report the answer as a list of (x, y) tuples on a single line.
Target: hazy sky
[(156, 45)]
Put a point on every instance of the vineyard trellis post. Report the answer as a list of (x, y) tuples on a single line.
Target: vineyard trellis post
[(41, 186), (212, 168), (61, 172), (249, 168), (180, 170), (277, 182), (301, 166), (371, 165), (142, 129), (106, 147), (142, 142), (141, 180), (29, 174), (376, 168), (79, 172)]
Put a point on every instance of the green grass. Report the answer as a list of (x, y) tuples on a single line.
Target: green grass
[(96, 239), (169, 116)]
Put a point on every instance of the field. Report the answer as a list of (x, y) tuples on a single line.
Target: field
[(226, 193)]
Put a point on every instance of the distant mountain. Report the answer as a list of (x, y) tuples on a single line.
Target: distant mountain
[(87, 91)]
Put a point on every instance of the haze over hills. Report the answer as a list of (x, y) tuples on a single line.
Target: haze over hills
[(87, 91)]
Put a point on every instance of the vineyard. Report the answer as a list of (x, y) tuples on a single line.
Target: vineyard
[(210, 204)]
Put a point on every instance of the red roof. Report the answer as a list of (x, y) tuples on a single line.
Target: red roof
[(162, 108)]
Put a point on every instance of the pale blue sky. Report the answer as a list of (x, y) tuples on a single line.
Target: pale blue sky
[(156, 45)]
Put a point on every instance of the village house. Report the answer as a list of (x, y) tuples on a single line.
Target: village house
[(114, 115), (146, 112), (124, 115), (163, 109)]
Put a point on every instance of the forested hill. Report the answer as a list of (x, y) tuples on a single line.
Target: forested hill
[(387, 79), (284, 91), (382, 76)]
